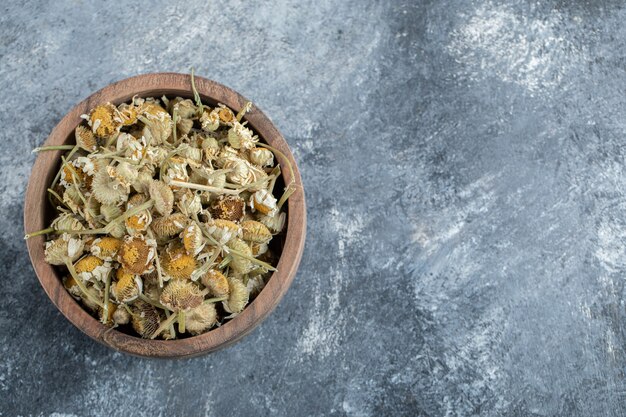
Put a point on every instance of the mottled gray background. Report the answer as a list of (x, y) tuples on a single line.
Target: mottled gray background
[(464, 170)]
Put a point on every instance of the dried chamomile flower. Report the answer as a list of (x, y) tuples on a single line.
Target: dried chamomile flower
[(136, 254), (238, 296), (92, 268), (210, 120), (255, 285), (67, 222), (145, 318), (176, 263), (132, 148), (264, 202), (228, 207), (85, 139), (239, 171), (192, 155), (184, 126), (240, 137), (175, 170), (106, 248), (240, 263), (110, 211), (189, 203), (201, 318), (258, 249), (121, 316), (128, 113), (255, 232), (127, 286), (91, 211), (63, 249), (226, 115), (137, 223), (181, 295), (104, 120), (163, 197), (143, 180), (261, 157), (71, 174), (108, 190), (158, 122), (125, 173), (71, 198), (184, 108), (274, 223), (193, 240), (211, 148), (169, 226), (216, 283), (223, 230), (90, 304), (71, 286)]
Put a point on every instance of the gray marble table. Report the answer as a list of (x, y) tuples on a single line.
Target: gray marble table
[(464, 171)]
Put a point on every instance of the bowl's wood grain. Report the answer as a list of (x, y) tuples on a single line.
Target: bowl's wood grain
[(37, 215)]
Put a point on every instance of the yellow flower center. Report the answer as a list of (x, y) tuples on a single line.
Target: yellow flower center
[(88, 264)]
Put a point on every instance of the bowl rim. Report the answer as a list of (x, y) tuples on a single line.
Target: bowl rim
[(150, 85)]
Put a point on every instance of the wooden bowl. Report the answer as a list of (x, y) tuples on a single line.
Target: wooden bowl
[(38, 213)]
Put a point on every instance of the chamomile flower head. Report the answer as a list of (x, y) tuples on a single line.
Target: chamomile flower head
[(163, 197), (63, 249), (85, 139), (108, 190), (145, 318), (177, 263), (181, 295), (238, 296), (68, 222), (136, 254), (255, 232), (105, 120), (121, 316), (201, 318), (274, 223), (158, 122), (189, 203), (127, 286), (169, 226), (223, 230), (193, 239), (241, 254), (264, 202), (261, 157), (240, 137), (228, 207), (92, 268), (106, 248), (216, 282)]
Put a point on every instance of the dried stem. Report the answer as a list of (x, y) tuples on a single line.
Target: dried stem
[(58, 175), (105, 308), (181, 321), (201, 187), (196, 96), (54, 148), (39, 232), (214, 300), (164, 325)]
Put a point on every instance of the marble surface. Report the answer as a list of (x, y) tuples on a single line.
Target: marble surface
[(464, 169)]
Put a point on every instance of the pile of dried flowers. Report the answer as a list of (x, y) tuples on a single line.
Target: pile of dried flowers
[(166, 209)]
